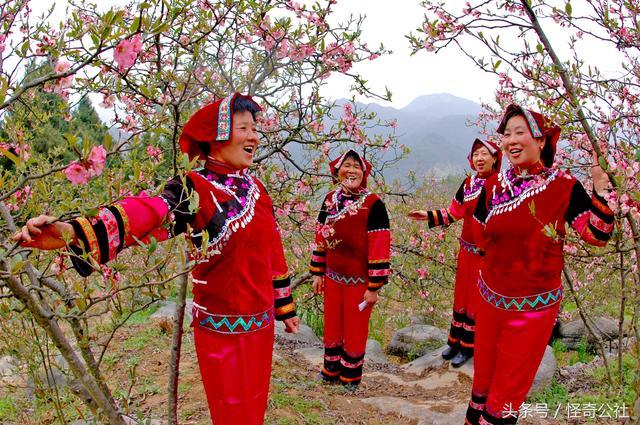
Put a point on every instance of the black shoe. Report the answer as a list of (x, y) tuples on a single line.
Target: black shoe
[(327, 379), (350, 388), (460, 359), (450, 352)]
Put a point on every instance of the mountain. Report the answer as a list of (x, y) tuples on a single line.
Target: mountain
[(436, 128)]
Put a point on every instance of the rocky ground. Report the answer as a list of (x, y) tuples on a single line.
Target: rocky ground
[(394, 391)]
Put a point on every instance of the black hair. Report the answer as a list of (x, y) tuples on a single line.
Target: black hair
[(242, 104)]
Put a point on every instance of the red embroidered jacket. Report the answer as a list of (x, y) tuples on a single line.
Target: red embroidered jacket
[(462, 207), (353, 239), (520, 224), (243, 272)]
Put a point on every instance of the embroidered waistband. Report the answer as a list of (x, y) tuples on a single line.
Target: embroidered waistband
[(232, 323), (469, 247), (341, 278), (526, 303)]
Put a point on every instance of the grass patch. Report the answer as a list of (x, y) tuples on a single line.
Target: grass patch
[(144, 338), (8, 409)]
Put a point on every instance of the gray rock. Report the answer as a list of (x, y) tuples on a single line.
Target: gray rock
[(573, 332), (546, 371), (431, 360), (304, 336), (313, 355), (9, 372), (374, 353), (416, 340), (432, 412), (168, 309)]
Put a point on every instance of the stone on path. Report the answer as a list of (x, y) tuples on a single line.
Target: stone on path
[(167, 310), (426, 413), (374, 353), (546, 371), (304, 336), (431, 360), (416, 340), (571, 333)]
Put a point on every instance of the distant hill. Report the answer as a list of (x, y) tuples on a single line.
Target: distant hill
[(436, 129)]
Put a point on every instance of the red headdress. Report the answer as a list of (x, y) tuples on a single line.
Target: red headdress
[(493, 149), (539, 126), (336, 163), (211, 123)]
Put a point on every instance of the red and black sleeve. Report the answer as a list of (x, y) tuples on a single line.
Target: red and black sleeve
[(379, 246), (131, 221), (591, 217)]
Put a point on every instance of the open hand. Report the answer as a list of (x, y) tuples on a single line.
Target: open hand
[(44, 232), (292, 325), (420, 215)]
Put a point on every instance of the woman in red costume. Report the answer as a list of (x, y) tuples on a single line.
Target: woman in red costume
[(349, 264), (240, 285), (485, 159), (519, 222)]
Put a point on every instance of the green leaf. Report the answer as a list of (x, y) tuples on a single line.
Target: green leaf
[(567, 8), (108, 141), (153, 245), (540, 48), (15, 159), (135, 24), (603, 163), (497, 64), (532, 208)]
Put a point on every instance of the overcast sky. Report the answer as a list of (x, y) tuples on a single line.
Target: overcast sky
[(409, 76)]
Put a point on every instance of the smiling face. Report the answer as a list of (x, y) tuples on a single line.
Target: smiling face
[(483, 161), (238, 152), (521, 148), (350, 174)]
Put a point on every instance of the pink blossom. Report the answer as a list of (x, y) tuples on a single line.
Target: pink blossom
[(77, 174), (61, 67), (422, 272), (108, 100), (126, 52), (96, 159), (2, 42)]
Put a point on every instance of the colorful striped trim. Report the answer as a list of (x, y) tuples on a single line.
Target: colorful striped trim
[(347, 280), (285, 309), (233, 324), (527, 303), (376, 285), (469, 247), (224, 119), (345, 363), (90, 234), (383, 260), (533, 125), (345, 379), (328, 373), (600, 224), (113, 233), (380, 272), (125, 220), (281, 277), (282, 292)]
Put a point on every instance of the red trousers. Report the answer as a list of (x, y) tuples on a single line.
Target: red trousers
[(465, 302), (509, 348), (235, 370), (345, 331)]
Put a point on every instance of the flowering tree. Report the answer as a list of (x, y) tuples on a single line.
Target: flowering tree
[(596, 103), (152, 64)]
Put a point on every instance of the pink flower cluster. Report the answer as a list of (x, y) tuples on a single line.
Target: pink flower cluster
[(19, 198), (63, 83), (127, 51), (154, 153), (80, 172), (339, 56)]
